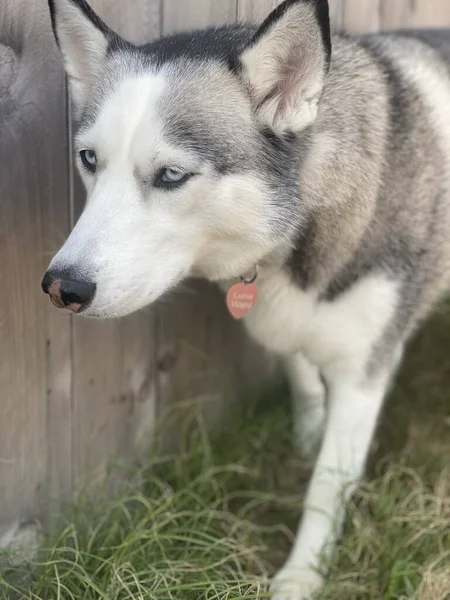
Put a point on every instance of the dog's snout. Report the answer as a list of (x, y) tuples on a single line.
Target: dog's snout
[(65, 291)]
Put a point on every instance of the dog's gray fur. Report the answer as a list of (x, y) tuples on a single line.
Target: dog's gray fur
[(391, 202)]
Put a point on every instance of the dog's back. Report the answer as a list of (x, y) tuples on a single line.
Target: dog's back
[(384, 139)]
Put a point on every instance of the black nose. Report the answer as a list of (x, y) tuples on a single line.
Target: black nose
[(65, 291), (46, 282)]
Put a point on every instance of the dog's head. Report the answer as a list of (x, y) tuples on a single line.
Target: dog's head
[(189, 149)]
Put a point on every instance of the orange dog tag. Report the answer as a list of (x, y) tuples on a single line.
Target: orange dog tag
[(241, 298)]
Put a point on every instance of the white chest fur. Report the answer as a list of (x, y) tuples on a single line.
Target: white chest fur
[(287, 320)]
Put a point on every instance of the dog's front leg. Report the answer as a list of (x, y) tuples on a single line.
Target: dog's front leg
[(308, 404), (354, 406)]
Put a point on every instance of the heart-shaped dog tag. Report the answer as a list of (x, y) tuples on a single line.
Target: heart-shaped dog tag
[(241, 298)]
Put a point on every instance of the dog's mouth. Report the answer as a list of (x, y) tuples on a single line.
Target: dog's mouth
[(57, 302), (72, 306)]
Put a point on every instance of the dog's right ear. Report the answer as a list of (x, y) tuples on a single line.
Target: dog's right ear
[(83, 39), (285, 65)]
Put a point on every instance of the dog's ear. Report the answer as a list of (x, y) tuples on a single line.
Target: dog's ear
[(286, 63), (83, 39)]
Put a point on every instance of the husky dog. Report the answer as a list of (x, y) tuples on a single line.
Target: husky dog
[(324, 163)]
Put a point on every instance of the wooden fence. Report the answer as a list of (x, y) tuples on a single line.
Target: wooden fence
[(75, 393)]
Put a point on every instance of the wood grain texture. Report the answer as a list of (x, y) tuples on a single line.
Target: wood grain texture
[(204, 358), (35, 368), (183, 15), (138, 21), (396, 15), (337, 14), (256, 11), (113, 390), (431, 13), (362, 15), (415, 13)]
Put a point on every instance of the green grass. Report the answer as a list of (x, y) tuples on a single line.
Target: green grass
[(215, 521)]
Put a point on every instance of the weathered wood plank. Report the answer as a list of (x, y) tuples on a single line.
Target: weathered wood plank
[(204, 357), (431, 13), (421, 13), (113, 360), (362, 16), (138, 21), (35, 404), (396, 15), (256, 11), (337, 14), (194, 14)]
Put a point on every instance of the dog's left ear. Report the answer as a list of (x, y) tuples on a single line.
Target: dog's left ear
[(286, 64)]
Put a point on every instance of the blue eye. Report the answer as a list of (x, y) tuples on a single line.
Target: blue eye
[(89, 160), (171, 177)]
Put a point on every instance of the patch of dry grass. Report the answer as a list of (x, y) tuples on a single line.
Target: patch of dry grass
[(215, 521), (436, 582)]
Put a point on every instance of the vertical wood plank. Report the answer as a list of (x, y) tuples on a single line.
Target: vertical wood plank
[(35, 371), (396, 15), (337, 14), (114, 390), (362, 16), (182, 15), (419, 13), (431, 13), (204, 357), (256, 11), (138, 21)]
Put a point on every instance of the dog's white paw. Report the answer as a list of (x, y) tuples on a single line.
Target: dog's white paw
[(296, 583)]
